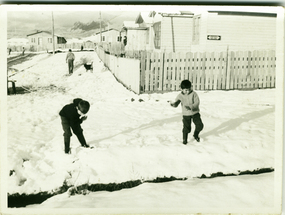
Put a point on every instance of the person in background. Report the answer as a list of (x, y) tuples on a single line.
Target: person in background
[(125, 40), (23, 51), (72, 115), (190, 110), (70, 57)]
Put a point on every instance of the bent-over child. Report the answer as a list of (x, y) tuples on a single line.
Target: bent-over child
[(190, 110), (72, 115)]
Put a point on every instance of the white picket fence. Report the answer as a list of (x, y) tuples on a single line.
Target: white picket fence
[(162, 72), (126, 70)]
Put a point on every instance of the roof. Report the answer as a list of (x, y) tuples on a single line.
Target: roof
[(130, 24), (137, 28), (38, 32), (110, 29), (244, 13)]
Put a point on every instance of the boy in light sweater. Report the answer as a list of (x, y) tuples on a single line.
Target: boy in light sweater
[(190, 110)]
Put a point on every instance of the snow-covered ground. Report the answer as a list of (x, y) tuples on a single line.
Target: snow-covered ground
[(138, 137)]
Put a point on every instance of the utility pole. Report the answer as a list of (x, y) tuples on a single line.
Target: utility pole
[(100, 28), (53, 45)]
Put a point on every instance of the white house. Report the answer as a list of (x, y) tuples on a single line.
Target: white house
[(204, 31), (234, 30), (42, 40), (110, 35)]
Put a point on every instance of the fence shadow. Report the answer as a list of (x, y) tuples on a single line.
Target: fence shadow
[(154, 123), (234, 123)]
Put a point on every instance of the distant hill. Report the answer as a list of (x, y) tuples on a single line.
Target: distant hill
[(75, 27)]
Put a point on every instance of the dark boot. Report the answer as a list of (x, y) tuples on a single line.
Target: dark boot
[(185, 137), (196, 136), (67, 145)]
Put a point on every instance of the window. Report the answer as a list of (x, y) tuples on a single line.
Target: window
[(119, 38), (49, 40), (196, 29), (103, 38), (40, 41), (157, 35)]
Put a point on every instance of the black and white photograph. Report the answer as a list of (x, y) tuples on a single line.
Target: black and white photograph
[(149, 109)]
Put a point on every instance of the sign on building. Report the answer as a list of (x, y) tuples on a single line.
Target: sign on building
[(214, 37)]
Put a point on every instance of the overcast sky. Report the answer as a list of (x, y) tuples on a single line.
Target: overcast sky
[(24, 19)]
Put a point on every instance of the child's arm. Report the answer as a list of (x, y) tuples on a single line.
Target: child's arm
[(175, 104), (196, 102)]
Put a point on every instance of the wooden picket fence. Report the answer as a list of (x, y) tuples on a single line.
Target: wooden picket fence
[(161, 72)]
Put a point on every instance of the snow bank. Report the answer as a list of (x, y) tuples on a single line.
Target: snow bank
[(135, 137)]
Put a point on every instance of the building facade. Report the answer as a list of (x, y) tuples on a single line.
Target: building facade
[(204, 31), (42, 41)]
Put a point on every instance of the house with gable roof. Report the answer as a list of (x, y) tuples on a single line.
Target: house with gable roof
[(42, 41)]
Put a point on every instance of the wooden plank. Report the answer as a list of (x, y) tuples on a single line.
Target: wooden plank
[(167, 71), (143, 65), (160, 80), (173, 70), (194, 60), (237, 70), (228, 71), (273, 71), (223, 63), (187, 71), (152, 71), (256, 69), (202, 70), (261, 71), (206, 70), (232, 70), (156, 71), (244, 68), (212, 70), (215, 70), (182, 67), (264, 69), (269, 70), (190, 58), (248, 74), (198, 74), (178, 71), (147, 72)]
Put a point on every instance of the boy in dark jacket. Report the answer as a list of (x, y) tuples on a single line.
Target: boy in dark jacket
[(72, 115), (190, 110)]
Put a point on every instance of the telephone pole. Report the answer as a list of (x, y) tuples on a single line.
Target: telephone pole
[(100, 28), (53, 45)]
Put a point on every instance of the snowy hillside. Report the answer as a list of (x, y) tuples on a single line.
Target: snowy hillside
[(136, 137)]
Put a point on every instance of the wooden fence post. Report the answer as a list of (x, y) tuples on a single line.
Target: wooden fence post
[(228, 70), (143, 65)]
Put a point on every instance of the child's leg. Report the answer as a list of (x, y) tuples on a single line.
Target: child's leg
[(67, 134), (198, 124), (186, 128)]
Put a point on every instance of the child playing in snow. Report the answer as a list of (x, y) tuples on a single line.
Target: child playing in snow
[(72, 115), (190, 110)]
